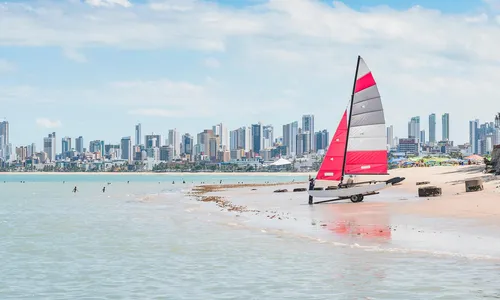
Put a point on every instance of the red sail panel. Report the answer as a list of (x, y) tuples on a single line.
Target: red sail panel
[(367, 141), (364, 82), (366, 162), (331, 167)]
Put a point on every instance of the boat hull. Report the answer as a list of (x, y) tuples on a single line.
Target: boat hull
[(362, 189)]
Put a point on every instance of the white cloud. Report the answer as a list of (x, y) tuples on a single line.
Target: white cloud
[(425, 59), (170, 113), (48, 123), (158, 91), (74, 55), (109, 3), (493, 4), (212, 63), (6, 66), (481, 18)]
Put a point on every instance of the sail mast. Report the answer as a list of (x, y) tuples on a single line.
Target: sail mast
[(349, 117)]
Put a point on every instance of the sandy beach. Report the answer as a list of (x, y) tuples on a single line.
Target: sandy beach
[(164, 173), (401, 199)]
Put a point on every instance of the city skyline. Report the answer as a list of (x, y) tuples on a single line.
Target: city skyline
[(252, 140), (256, 140), (415, 130)]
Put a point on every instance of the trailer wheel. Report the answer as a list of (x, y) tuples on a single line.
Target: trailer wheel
[(356, 198)]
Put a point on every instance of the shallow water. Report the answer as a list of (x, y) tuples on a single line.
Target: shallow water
[(146, 240)]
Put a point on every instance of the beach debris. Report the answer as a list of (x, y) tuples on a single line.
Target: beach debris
[(423, 182), (223, 203), (203, 189), (199, 193), (253, 189), (299, 189), (474, 185), (429, 191), (281, 191)]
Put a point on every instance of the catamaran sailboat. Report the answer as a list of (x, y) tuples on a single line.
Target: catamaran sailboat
[(358, 147)]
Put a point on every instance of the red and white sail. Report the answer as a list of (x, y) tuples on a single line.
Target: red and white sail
[(331, 167), (366, 144)]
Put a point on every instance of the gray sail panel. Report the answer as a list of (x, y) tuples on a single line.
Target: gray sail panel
[(368, 93)]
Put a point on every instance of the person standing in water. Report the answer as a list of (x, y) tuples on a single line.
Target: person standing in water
[(103, 189), (75, 189)]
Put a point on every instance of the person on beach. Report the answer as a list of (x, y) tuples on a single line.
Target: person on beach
[(75, 189), (311, 184), (104, 189)]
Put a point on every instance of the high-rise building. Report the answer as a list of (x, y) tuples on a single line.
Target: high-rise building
[(245, 138), (4, 141), (79, 144), (55, 143), (290, 132), (432, 129), (422, 136), (167, 153), (322, 140), (49, 146), (65, 145), (303, 142), (473, 136), (138, 134), (256, 142), (214, 147), (126, 148), (233, 139), (267, 136), (203, 141), (31, 150), (308, 126), (152, 141), (239, 139), (4, 132), (390, 136), (445, 127), (221, 130), (174, 141), (414, 128), (22, 153), (96, 146), (187, 144)]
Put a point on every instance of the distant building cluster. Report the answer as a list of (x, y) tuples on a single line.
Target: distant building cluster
[(482, 138), (251, 145), (217, 144)]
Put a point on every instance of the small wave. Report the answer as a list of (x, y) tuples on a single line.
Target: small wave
[(429, 252)]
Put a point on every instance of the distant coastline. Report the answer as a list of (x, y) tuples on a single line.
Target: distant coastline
[(288, 174)]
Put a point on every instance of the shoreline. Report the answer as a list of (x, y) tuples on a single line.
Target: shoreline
[(284, 174), (396, 220), (402, 199)]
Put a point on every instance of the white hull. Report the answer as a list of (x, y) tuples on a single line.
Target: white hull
[(362, 189)]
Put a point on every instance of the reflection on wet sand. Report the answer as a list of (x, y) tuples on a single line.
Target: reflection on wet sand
[(366, 220)]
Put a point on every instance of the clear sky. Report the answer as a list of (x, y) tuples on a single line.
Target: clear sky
[(97, 67)]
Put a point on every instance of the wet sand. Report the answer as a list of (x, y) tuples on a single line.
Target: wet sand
[(401, 198), (456, 222)]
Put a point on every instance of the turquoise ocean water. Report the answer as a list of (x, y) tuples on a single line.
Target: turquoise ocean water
[(147, 240)]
